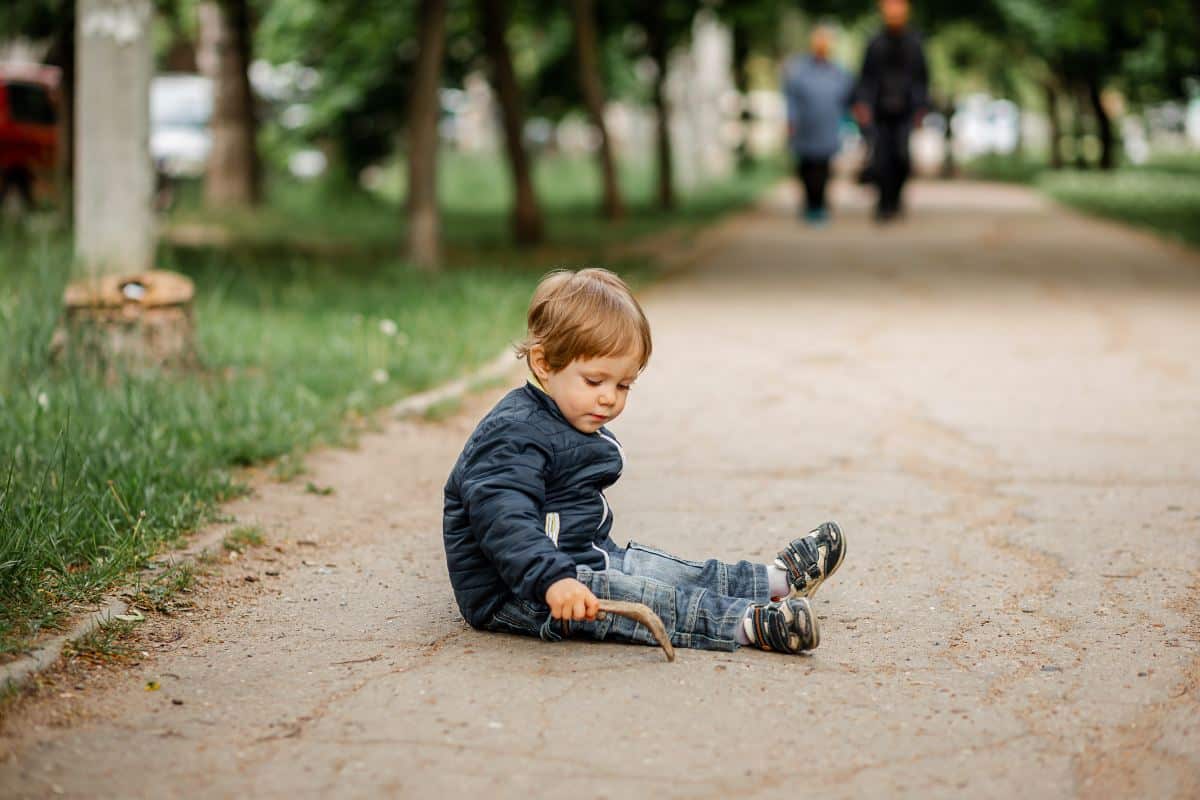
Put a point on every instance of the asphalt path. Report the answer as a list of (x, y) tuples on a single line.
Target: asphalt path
[(998, 400)]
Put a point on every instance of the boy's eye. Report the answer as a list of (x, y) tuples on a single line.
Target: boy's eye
[(625, 387), (591, 382)]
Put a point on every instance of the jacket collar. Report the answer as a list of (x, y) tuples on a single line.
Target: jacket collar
[(534, 389)]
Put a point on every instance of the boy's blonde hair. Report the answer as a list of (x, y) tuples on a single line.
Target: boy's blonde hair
[(586, 314)]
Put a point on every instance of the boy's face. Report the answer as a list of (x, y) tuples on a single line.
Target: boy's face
[(589, 392)]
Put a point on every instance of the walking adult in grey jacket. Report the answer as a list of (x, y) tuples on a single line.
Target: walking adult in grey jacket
[(818, 93)]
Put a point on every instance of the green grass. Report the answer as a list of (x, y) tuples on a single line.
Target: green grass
[(162, 592), (1166, 203), (1006, 169), (1162, 195), (299, 345), (242, 538), (111, 640), (473, 191), (96, 478)]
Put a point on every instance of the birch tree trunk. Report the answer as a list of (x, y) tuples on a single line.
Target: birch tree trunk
[(527, 216), (233, 176), (424, 224), (124, 314), (590, 83), (114, 180)]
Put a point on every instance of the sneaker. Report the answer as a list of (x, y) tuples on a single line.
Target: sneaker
[(783, 626), (811, 559), (816, 217)]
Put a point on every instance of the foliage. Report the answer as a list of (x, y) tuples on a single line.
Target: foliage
[(1082, 39)]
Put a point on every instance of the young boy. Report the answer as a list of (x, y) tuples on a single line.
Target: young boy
[(526, 524)]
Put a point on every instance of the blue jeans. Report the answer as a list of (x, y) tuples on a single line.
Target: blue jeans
[(701, 603)]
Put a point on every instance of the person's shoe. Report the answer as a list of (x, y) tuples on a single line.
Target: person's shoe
[(811, 559), (783, 626), (816, 217)]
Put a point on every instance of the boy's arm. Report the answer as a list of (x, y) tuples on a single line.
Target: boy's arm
[(504, 491)]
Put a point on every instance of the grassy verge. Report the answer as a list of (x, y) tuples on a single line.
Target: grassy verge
[(474, 191), (96, 478), (1162, 196)]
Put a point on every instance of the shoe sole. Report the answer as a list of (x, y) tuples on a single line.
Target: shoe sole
[(811, 590), (813, 627)]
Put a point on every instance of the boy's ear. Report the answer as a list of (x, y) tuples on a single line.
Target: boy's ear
[(538, 362)]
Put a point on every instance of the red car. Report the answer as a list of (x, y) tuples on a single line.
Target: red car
[(28, 132)]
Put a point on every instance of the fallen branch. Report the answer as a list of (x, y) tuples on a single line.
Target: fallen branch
[(642, 615)]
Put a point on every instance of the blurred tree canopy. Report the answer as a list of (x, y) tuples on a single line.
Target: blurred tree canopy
[(365, 50), (1072, 57)]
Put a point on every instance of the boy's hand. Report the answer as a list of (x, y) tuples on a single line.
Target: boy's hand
[(571, 600)]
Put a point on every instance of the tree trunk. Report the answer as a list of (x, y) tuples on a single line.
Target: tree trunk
[(741, 79), (1077, 128), (1056, 156), (114, 224), (423, 222), (527, 217), (657, 45), (584, 12), (949, 165), (123, 314), (62, 55), (1103, 125), (233, 176)]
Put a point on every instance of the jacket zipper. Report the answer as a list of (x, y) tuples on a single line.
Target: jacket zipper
[(603, 516), (604, 553), (616, 444), (604, 500)]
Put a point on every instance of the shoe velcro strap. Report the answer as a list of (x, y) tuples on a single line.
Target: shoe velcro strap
[(770, 629)]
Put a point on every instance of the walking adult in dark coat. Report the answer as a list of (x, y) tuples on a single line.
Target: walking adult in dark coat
[(892, 96)]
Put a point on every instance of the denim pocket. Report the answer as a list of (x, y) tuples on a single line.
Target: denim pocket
[(553, 630), (518, 616), (654, 551)]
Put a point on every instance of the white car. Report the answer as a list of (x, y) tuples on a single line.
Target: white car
[(180, 111)]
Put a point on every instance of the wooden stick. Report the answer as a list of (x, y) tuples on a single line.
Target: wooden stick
[(642, 614)]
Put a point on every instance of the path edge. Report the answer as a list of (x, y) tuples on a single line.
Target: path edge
[(674, 249), (24, 668)]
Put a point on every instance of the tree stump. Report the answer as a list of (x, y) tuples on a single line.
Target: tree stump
[(129, 323)]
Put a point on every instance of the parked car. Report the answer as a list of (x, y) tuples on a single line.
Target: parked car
[(28, 133), (180, 112)]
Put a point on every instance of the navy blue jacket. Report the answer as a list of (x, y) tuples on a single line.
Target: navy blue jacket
[(525, 503)]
